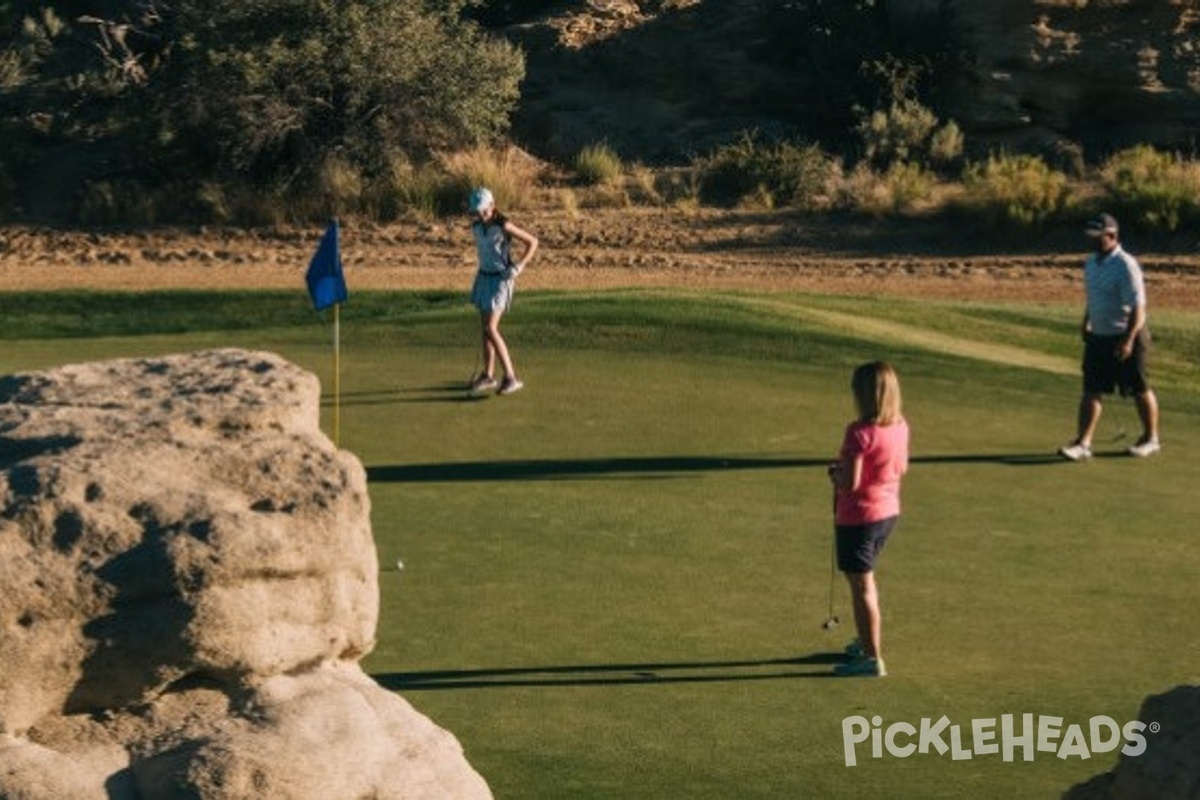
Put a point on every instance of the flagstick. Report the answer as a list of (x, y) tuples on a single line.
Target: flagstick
[(337, 375)]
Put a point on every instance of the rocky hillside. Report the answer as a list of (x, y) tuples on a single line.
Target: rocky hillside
[(660, 80)]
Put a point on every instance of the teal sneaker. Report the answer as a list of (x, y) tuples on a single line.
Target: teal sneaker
[(854, 650), (861, 668)]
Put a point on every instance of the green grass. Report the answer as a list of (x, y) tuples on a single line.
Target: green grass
[(614, 581)]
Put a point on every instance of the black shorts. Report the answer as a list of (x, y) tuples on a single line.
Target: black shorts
[(1104, 372), (858, 546)]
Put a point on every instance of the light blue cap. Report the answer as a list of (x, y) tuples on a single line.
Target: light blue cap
[(480, 199)]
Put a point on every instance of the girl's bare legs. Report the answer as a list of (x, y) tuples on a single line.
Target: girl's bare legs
[(865, 598), (494, 345), (489, 350)]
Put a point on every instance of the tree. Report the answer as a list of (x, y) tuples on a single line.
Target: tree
[(262, 92)]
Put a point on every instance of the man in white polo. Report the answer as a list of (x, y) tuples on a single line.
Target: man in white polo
[(1115, 340)]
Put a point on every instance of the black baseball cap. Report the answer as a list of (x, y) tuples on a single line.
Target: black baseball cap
[(1101, 224)]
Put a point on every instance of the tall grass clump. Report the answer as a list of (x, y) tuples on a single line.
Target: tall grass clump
[(642, 186), (1158, 190), (510, 174), (339, 185), (424, 190), (774, 175), (598, 164), (1016, 190)]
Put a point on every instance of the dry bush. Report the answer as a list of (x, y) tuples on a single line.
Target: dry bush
[(642, 186), (339, 185), (605, 195), (679, 187), (1016, 190), (902, 188), (405, 188), (1158, 190)]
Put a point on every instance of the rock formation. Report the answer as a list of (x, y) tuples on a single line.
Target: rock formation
[(666, 81), (1169, 769), (187, 582), (1103, 74)]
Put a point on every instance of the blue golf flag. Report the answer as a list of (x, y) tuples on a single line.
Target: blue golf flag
[(326, 283)]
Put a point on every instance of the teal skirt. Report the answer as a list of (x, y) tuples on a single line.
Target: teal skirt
[(492, 292)]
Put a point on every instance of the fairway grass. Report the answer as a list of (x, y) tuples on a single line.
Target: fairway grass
[(614, 581)]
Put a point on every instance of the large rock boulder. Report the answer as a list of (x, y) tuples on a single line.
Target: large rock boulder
[(1169, 769), (187, 582)]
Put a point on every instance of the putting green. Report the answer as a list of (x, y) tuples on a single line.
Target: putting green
[(873, 329), (614, 580)]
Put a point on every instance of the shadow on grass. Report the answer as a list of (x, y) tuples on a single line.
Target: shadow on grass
[(449, 392), (647, 466), (1007, 459), (566, 469), (611, 674)]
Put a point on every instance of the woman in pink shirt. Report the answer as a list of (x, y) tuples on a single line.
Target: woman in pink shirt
[(866, 479)]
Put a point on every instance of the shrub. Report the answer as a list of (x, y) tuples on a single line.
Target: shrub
[(902, 187), (1161, 191), (781, 174), (946, 144), (908, 132), (1016, 190), (909, 184), (679, 186), (597, 164), (116, 201)]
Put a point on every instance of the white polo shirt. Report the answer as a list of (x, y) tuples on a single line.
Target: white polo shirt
[(1115, 287)]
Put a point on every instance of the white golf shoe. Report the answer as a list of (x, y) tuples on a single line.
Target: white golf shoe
[(1143, 449), (1077, 451), (511, 385)]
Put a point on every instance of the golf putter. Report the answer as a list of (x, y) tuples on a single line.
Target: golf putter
[(831, 621)]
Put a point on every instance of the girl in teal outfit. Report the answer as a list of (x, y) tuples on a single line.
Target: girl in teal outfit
[(494, 283)]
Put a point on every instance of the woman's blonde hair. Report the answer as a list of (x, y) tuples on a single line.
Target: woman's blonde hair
[(876, 393)]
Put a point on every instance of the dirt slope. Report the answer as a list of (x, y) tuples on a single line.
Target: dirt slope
[(596, 250)]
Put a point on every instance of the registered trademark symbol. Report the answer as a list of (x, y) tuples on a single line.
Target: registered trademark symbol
[(1155, 727)]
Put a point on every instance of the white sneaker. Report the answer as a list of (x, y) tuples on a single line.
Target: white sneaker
[(1146, 448), (1078, 451), (511, 385)]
